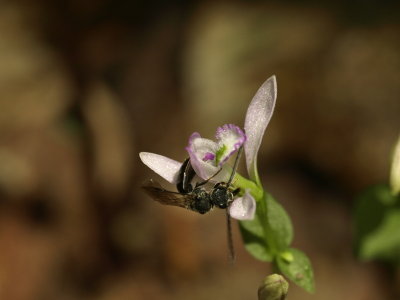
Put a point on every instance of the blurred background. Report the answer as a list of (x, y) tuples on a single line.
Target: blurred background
[(86, 85)]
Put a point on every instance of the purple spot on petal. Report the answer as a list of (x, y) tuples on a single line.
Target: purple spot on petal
[(209, 156)]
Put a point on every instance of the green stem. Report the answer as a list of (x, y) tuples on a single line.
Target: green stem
[(246, 184), (263, 217), (261, 198)]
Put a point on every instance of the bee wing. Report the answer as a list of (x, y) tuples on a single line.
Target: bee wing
[(159, 194)]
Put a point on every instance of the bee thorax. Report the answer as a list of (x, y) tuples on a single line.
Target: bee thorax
[(202, 202)]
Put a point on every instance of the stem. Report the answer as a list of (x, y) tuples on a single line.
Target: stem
[(244, 184), (268, 234), (261, 198)]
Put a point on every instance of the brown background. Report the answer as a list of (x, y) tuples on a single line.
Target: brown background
[(86, 85)]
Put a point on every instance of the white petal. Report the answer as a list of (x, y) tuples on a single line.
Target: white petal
[(257, 118), (395, 170), (198, 149), (243, 208), (166, 167), (230, 138)]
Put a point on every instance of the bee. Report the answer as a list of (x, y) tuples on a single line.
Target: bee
[(197, 198)]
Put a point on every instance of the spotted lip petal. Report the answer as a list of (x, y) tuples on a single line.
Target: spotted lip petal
[(200, 150), (166, 167), (230, 138), (243, 208), (258, 116)]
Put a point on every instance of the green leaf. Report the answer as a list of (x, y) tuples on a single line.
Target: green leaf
[(253, 226), (299, 270), (270, 232), (279, 225), (254, 242), (384, 241), (370, 211)]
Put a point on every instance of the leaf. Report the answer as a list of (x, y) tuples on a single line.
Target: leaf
[(279, 224), (384, 241), (254, 242), (270, 232), (299, 270), (253, 226), (370, 211)]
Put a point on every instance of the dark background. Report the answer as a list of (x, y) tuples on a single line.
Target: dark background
[(86, 85)]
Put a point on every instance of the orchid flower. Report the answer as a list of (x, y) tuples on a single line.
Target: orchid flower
[(265, 226), (207, 157)]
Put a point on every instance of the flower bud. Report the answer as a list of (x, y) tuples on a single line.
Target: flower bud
[(273, 287)]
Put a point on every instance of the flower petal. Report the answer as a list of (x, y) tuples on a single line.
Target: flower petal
[(230, 138), (257, 118), (166, 167), (199, 150), (243, 208), (395, 170)]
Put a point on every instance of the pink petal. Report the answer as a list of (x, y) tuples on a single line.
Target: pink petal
[(232, 138), (258, 116), (243, 208), (166, 167), (199, 149)]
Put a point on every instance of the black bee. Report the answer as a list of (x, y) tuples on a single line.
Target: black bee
[(197, 198)]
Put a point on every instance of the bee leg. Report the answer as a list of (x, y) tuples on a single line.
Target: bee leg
[(207, 180), (236, 192)]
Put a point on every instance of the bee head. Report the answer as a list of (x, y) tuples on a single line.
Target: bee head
[(221, 196)]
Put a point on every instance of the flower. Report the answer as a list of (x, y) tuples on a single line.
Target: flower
[(166, 167), (258, 115), (208, 158), (243, 208), (395, 170)]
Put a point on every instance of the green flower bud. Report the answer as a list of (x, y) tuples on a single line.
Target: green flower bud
[(273, 287)]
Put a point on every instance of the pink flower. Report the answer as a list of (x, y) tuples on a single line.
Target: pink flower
[(207, 157)]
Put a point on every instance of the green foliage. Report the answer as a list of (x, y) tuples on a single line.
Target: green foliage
[(278, 224), (254, 241), (268, 236), (298, 270), (377, 224)]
